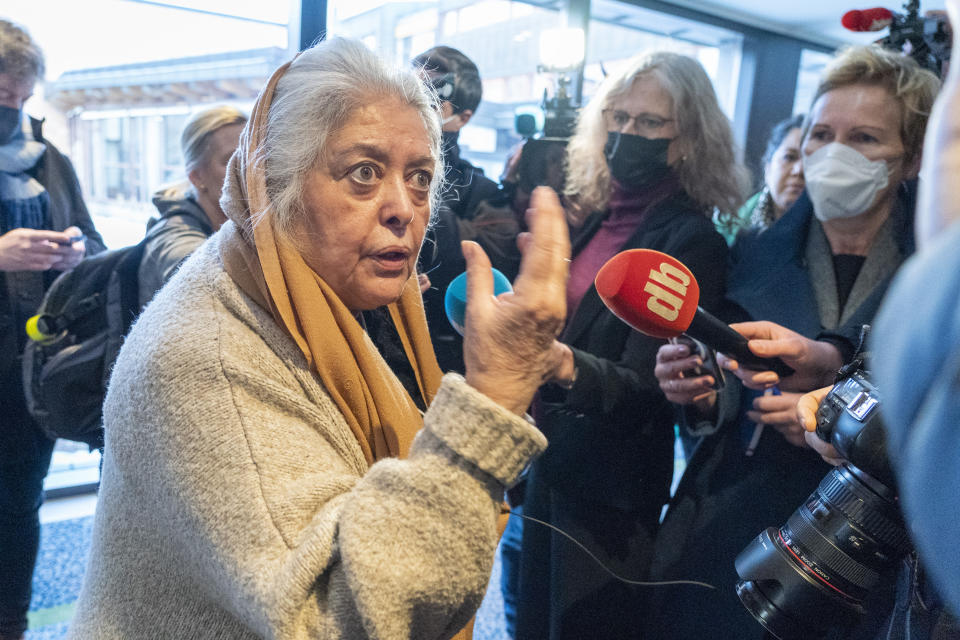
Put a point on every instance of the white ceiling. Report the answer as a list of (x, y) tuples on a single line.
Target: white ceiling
[(816, 20)]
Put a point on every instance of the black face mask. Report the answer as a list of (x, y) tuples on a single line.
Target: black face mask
[(9, 123), (636, 161)]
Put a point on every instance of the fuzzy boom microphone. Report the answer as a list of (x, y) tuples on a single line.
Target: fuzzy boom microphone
[(875, 19)]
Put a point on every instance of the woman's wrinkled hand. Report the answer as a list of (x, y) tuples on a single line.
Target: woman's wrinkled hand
[(672, 361), (508, 343), (780, 412), (807, 416)]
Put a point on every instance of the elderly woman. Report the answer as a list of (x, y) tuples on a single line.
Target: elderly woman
[(782, 180), (653, 158), (190, 213), (267, 475), (821, 269)]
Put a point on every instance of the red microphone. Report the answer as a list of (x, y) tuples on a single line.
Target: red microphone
[(868, 19), (657, 295)]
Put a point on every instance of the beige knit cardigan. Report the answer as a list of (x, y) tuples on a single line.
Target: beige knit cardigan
[(235, 501)]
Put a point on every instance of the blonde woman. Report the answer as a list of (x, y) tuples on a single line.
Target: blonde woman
[(822, 268), (651, 160), (190, 212)]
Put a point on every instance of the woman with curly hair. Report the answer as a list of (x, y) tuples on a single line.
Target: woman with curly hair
[(651, 162)]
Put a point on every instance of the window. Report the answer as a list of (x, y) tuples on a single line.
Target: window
[(812, 64), (503, 38), (619, 30), (123, 75)]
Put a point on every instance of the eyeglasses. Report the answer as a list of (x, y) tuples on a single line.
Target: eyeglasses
[(618, 120)]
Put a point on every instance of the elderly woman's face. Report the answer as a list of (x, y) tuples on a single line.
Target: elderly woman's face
[(866, 118), (646, 110), (368, 202)]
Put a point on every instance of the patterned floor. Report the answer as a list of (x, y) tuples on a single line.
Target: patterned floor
[(56, 581)]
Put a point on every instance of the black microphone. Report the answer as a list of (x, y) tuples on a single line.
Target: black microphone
[(657, 295)]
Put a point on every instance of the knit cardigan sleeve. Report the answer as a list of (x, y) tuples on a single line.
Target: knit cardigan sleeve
[(236, 503)]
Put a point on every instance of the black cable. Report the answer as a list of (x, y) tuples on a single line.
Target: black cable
[(638, 583)]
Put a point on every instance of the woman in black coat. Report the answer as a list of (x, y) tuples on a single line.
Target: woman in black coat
[(653, 155), (820, 269)]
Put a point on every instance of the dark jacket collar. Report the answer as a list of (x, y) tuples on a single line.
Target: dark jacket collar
[(37, 127), (764, 264), (783, 241), (661, 213)]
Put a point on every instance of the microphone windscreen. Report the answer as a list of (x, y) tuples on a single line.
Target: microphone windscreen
[(852, 20), (874, 19), (654, 293), (455, 299)]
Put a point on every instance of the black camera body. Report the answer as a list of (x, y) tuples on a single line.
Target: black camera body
[(849, 419), (814, 572), (543, 158), (926, 39)]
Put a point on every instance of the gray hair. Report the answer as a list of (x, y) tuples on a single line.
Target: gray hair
[(708, 170), (195, 138), (20, 56), (317, 95)]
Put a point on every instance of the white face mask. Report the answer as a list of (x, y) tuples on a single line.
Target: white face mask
[(842, 182)]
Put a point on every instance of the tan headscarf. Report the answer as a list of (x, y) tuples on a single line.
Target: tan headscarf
[(269, 269)]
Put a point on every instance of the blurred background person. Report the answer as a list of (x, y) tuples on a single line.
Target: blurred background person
[(822, 268), (915, 357), (465, 211), (309, 474), (190, 212), (44, 229), (652, 158), (782, 180), (456, 80)]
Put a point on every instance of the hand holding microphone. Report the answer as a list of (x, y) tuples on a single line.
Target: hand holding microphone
[(815, 362), (657, 295)]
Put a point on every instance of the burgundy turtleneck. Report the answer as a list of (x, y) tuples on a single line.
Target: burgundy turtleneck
[(626, 211)]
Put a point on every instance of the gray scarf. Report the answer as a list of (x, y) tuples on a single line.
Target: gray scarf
[(23, 200)]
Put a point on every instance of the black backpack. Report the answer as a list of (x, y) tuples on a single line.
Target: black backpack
[(75, 338)]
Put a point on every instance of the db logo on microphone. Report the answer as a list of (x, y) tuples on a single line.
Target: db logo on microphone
[(662, 302)]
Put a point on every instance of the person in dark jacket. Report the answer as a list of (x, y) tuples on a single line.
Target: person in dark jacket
[(456, 79), (653, 156), (821, 268), (466, 211), (190, 212), (44, 229)]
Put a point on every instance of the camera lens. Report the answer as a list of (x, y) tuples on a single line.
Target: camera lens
[(813, 573)]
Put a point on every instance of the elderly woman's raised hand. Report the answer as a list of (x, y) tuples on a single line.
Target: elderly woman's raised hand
[(509, 340)]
